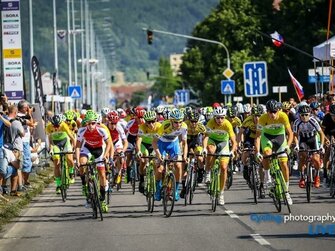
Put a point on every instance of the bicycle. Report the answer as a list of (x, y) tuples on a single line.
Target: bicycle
[(169, 186), (93, 193), (64, 174), (230, 173), (133, 169), (253, 167), (279, 190), (191, 178), (308, 175), (150, 183), (122, 160), (110, 176), (214, 185), (332, 169)]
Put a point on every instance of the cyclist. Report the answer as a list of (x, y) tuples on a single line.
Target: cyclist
[(246, 139), (246, 110), (159, 112), (216, 140), (272, 129), (144, 140), (306, 129), (316, 111), (60, 139), (328, 126), (90, 140), (171, 133), (195, 134), (122, 116), (287, 108), (119, 138), (104, 112)]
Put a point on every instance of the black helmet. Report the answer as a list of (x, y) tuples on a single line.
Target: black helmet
[(314, 105), (332, 109), (57, 119), (272, 105), (304, 109), (194, 116), (257, 110)]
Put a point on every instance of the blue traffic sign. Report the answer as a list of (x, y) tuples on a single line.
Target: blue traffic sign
[(227, 87), (74, 91), (255, 79), (181, 97), (322, 79)]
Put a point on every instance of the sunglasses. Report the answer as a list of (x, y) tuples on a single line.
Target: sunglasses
[(112, 123), (286, 110), (91, 123), (194, 121), (177, 122), (56, 126), (304, 114), (150, 122), (273, 112), (220, 117)]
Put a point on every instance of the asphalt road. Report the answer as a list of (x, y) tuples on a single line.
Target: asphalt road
[(50, 224)]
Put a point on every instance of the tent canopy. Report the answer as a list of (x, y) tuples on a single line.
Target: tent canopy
[(326, 50)]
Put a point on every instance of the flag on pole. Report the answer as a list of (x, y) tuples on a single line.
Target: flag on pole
[(277, 39), (297, 86)]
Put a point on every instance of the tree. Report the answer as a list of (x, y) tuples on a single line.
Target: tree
[(165, 83)]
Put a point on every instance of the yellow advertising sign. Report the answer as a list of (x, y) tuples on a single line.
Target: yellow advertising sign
[(12, 53)]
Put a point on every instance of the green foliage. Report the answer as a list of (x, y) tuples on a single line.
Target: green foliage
[(236, 23)]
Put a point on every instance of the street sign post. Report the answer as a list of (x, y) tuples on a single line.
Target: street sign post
[(238, 99), (74, 91), (255, 79), (227, 88), (279, 90)]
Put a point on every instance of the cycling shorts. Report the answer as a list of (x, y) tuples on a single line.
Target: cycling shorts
[(97, 153), (277, 143), (63, 145), (171, 148), (222, 147)]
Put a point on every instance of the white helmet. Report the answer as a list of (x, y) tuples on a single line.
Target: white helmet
[(160, 109), (105, 111), (247, 108), (220, 111), (99, 119)]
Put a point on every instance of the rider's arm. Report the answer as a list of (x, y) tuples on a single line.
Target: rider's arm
[(240, 135), (138, 144), (125, 145), (185, 148), (78, 146), (258, 141), (205, 141), (322, 137), (109, 145), (290, 136)]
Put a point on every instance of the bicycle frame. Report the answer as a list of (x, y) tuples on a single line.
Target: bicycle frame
[(150, 184)]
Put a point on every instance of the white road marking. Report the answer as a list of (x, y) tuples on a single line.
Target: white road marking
[(260, 239), (231, 214)]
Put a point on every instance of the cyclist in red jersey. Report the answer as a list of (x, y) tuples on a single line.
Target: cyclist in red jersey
[(90, 142)]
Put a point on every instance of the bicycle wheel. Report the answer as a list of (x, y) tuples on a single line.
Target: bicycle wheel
[(254, 181), (63, 186), (133, 175), (110, 184), (193, 184), (308, 182), (214, 191), (283, 190), (332, 179), (169, 194), (92, 199), (97, 199), (230, 174), (275, 192), (187, 186), (150, 191)]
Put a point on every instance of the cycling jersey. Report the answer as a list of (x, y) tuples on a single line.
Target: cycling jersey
[(250, 127), (328, 124), (94, 138), (117, 134), (147, 134), (195, 130), (219, 132), (106, 128), (167, 133), (273, 126), (72, 125), (306, 129), (235, 122), (58, 134)]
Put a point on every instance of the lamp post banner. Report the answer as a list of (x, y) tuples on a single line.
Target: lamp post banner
[(12, 49)]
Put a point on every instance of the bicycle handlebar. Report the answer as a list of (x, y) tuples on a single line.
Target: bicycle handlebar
[(309, 151), (63, 153), (219, 155), (274, 155)]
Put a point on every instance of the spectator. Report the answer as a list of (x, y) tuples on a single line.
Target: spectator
[(25, 115), (6, 154)]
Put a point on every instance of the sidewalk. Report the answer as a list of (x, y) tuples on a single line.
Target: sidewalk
[(39, 179)]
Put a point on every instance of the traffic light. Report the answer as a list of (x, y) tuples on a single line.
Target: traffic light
[(150, 36)]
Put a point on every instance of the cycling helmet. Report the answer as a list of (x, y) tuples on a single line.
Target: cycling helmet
[(209, 110), (176, 115), (272, 105), (220, 111), (139, 112), (247, 108), (332, 109), (257, 110), (57, 119), (314, 105), (160, 109), (113, 117), (99, 118), (286, 105), (83, 113), (304, 109), (215, 105), (122, 113), (105, 111), (91, 116), (150, 116), (194, 116), (69, 115), (231, 112)]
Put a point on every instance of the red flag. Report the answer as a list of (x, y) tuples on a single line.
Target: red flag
[(297, 86), (277, 39)]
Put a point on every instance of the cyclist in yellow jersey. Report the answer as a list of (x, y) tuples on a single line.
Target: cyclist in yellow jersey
[(219, 132), (60, 139), (246, 139), (171, 133), (271, 133), (146, 133)]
